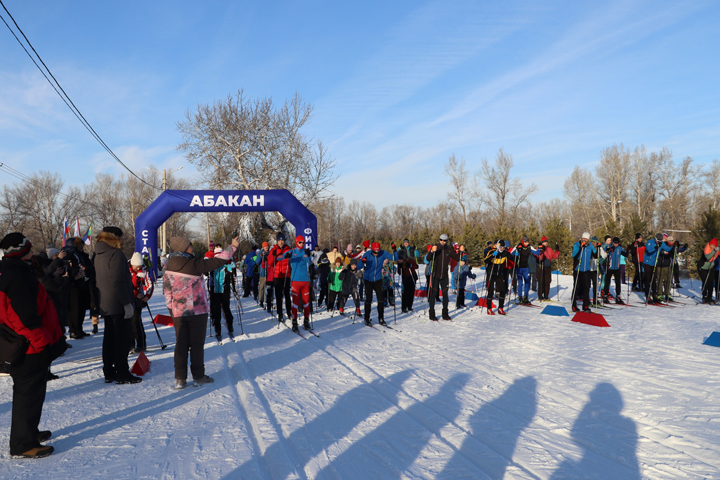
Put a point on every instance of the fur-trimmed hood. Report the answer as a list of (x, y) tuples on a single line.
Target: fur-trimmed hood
[(110, 239)]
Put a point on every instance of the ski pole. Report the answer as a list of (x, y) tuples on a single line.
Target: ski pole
[(237, 302), (162, 345)]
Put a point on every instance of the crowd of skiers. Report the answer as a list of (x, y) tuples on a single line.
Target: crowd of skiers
[(47, 296)]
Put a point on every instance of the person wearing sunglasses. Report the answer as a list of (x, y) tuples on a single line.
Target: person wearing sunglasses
[(439, 258)]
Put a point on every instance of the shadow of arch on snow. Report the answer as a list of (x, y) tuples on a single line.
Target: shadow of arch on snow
[(495, 429), (608, 440)]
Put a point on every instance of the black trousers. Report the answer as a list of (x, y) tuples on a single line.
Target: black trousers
[(377, 287), (676, 273), (342, 300), (322, 296), (460, 300), (333, 300), (437, 285), (190, 338), (29, 387), (78, 303), (282, 289), (582, 287), (251, 285), (498, 283), (116, 341), (544, 281), (651, 281), (138, 339), (638, 277), (707, 278), (219, 304), (408, 293), (608, 276)]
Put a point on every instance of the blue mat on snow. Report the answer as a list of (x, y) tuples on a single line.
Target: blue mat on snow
[(557, 272), (555, 310), (713, 340)]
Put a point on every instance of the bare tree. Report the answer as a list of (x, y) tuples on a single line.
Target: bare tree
[(612, 177), (459, 183), (502, 194), (711, 182)]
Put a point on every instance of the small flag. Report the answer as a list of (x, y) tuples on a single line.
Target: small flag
[(77, 225), (66, 231), (87, 238)]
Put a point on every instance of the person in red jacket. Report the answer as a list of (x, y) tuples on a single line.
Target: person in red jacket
[(544, 265), (27, 310), (281, 275)]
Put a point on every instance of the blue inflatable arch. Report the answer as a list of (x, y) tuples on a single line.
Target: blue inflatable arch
[(171, 201)]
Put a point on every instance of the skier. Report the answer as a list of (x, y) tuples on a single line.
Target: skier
[(652, 249), (706, 267), (263, 290), (374, 260), (281, 274), (463, 272), (350, 277), (142, 291), (501, 264), (440, 257), (323, 271), (636, 252), (252, 275), (545, 257), (334, 284), (615, 251), (583, 252), (408, 272), (220, 282), (523, 251), (300, 282)]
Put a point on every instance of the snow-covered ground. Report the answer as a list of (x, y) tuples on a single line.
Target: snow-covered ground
[(520, 396)]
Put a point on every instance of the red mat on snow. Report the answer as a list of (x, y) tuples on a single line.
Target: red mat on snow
[(164, 320), (482, 302), (142, 365), (589, 318)]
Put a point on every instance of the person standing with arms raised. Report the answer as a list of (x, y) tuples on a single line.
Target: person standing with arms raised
[(439, 257)]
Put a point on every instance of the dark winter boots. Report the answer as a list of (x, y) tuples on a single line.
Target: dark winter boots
[(306, 324), (432, 316), (446, 315)]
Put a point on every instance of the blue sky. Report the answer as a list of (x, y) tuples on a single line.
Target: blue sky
[(397, 86)]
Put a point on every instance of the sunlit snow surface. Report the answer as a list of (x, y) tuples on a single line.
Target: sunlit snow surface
[(520, 396)]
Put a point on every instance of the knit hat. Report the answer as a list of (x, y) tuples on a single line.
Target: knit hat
[(354, 261), (349, 247), (211, 246), (179, 244), (638, 235), (489, 243), (218, 249), (429, 247), (299, 239), (616, 240), (114, 230), (358, 247), (525, 239), (594, 239), (265, 244), (607, 236), (51, 252), (375, 247), (406, 240), (15, 245), (280, 236), (366, 244), (665, 235), (586, 235), (659, 237), (501, 243), (543, 239), (714, 242), (136, 260), (671, 239), (444, 237)]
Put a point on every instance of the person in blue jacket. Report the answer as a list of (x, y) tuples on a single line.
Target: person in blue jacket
[(463, 272), (300, 261), (252, 273), (374, 259), (652, 249), (583, 252), (615, 252)]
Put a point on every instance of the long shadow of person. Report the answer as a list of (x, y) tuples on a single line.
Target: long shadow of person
[(320, 434), (390, 449), (495, 429), (607, 439)]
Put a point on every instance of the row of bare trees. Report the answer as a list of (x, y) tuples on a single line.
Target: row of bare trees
[(38, 204)]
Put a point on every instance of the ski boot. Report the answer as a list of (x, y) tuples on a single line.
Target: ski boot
[(295, 328), (432, 316), (368, 322), (342, 311), (357, 311), (306, 324), (231, 336), (501, 311), (381, 321), (95, 328), (619, 301), (574, 307), (218, 337), (490, 311)]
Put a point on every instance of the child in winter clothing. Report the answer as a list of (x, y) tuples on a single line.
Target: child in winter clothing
[(388, 274), (350, 277), (221, 282), (462, 272), (142, 291), (334, 284), (614, 253), (323, 271), (501, 264)]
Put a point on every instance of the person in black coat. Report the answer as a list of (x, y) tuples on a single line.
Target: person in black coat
[(439, 258)]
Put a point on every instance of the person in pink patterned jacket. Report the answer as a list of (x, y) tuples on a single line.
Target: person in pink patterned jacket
[(186, 299)]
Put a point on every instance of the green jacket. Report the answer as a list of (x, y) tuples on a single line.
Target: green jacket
[(334, 281)]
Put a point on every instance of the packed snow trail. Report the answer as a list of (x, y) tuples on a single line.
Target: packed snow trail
[(518, 396)]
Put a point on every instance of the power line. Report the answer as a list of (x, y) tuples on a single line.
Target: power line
[(64, 96)]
